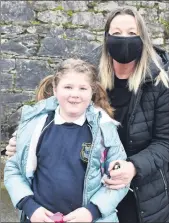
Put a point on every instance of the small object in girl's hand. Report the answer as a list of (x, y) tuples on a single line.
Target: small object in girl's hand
[(57, 217)]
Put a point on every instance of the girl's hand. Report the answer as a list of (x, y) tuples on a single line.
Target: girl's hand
[(41, 215), (11, 147), (120, 177), (79, 215)]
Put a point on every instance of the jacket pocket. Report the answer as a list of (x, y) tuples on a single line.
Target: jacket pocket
[(165, 182)]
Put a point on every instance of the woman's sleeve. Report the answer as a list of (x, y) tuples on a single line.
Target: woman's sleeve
[(156, 154)]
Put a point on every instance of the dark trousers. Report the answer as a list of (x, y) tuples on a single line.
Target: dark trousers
[(127, 210)]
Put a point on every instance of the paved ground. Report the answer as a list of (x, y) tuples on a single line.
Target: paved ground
[(8, 213)]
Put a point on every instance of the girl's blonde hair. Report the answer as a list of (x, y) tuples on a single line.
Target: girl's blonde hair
[(142, 68), (78, 66), (45, 88)]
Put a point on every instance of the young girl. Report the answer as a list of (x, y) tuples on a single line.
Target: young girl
[(64, 146)]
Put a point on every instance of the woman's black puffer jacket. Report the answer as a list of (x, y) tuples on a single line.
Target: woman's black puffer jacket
[(148, 145)]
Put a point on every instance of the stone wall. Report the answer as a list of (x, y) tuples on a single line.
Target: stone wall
[(36, 35)]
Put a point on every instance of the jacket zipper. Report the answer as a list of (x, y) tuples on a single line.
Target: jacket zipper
[(138, 206), (164, 181), (89, 163), (45, 128), (30, 180), (130, 121)]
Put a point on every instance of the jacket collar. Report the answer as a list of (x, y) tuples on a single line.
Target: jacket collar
[(93, 114), (43, 106), (154, 70)]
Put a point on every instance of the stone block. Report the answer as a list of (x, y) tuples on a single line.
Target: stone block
[(30, 72), (75, 5), (5, 81), (10, 106), (42, 30), (64, 48), (7, 65), (107, 6), (57, 17), (89, 19), (164, 6), (43, 5), (149, 14), (22, 45), (155, 30), (158, 41), (147, 4), (78, 33), (13, 101), (60, 5), (16, 11), (133, 4), (12, 29)]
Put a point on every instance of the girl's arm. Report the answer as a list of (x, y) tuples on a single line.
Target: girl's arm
[(15, 182), (21, 194), (107, 199)]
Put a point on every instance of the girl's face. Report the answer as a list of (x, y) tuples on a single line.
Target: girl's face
[(74, 94), (123, 25)]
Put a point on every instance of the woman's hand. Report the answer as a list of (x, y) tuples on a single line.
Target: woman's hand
[(79, 215), (41, 215), (120, 177), (11, 147)]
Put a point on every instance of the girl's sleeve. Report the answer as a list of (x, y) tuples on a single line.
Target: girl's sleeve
[(16, 184), (107, 199)]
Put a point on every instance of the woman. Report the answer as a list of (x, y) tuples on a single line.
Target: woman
[(137, 87)]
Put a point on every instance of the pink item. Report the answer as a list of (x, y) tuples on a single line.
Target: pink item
[(57, 217)]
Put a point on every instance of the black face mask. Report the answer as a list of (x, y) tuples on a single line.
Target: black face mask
[(124, 49)]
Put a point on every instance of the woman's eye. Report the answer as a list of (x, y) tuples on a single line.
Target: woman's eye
[(116, 33), (83, 89), (132, 34)]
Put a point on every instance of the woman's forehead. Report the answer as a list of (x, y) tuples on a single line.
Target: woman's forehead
[(123, 22)]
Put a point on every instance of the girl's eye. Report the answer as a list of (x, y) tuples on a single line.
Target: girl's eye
[(68, 87), (82, 88)]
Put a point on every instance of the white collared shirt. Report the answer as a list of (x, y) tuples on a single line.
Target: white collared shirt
[(58, 120)]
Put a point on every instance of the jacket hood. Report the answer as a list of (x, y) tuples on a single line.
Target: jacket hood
[(163, 59), (43, 106), (164, 56)]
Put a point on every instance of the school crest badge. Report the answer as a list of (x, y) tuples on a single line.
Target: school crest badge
[(85, 152)]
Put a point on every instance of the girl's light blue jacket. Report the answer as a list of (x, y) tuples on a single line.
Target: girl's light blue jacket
[(106, 147)]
